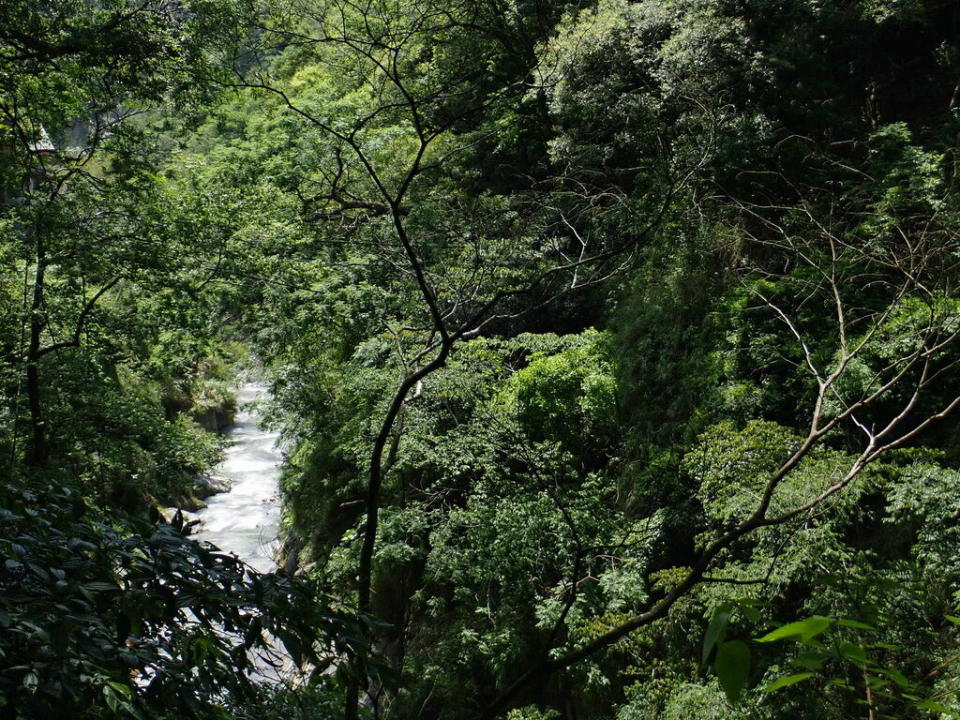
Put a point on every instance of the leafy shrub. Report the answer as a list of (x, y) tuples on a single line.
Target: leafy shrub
[(107, 615)]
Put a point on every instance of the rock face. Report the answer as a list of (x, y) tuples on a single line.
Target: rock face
[(207, 485), (216, 419), (191, 504)]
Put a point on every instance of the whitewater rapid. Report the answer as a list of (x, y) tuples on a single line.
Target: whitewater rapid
[(246, 519)]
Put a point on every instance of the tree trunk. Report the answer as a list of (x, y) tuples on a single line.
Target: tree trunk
[(38, 454)]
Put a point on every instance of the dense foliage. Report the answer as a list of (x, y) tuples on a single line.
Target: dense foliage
[(614, 344)]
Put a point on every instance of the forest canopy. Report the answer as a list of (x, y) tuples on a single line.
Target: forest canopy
[(613, 345)]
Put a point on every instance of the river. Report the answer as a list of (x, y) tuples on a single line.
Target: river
[(246, 519)]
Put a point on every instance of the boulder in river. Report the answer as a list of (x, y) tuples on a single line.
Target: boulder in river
[(206, 485)]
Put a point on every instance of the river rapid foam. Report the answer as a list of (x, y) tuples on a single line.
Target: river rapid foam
[(245, 520)]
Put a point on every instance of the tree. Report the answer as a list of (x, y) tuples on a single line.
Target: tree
[(862, 284), (402, 94), (90, 219), (108, 613), (118, 615), (439, 214)]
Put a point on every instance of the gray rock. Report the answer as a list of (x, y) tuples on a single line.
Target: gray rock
[(207, 485)]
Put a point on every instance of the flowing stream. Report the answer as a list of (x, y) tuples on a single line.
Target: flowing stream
[(245, 520)]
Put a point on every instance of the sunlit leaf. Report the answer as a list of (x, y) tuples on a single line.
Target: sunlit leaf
[(787, 681), (804, 630)]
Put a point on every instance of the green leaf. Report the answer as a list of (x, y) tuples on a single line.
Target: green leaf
[(752, 614), (120, 688), (804, 630), (111, 698), (934, 706), (953, 618), (898, 677), (787, 681), (843, 685), (854, 653), (749, 608), (810, 661), (98, 586), (732, 666), (856, 624), (716, 630)]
